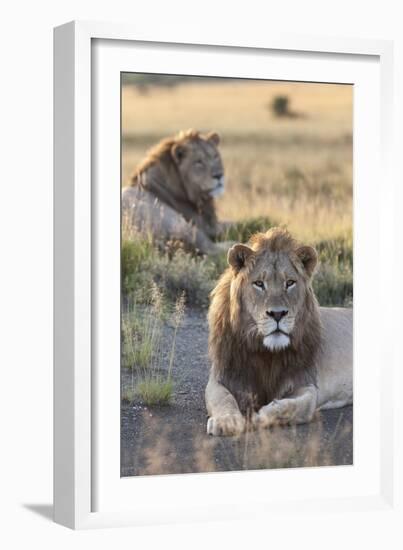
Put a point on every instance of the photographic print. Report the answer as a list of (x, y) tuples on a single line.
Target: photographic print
[(236, 274)]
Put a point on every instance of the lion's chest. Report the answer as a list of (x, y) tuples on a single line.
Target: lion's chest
[(254, 382), (258, 378)]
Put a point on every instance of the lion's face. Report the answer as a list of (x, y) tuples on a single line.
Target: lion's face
[(200, 165), (273, 284)]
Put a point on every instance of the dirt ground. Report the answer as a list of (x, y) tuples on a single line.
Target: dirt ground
[(172, 439)]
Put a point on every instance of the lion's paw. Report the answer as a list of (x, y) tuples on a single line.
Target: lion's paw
[(277, 412), (228, 424)]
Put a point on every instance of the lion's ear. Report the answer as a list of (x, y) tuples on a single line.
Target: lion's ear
[(308, 257), (238, 255), (214, 138), (178, 151)]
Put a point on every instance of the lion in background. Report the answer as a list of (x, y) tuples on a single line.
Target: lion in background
[(171, 195), (277, 357)]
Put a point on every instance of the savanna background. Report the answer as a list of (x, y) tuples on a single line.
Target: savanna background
[(287, 154)]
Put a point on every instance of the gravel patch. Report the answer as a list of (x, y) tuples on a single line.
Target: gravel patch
[(172, 439)]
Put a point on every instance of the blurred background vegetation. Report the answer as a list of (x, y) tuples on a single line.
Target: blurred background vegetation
[(287, 153)]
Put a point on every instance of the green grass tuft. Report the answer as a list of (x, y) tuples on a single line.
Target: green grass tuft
[(138, 254), (128, 395), (155, 390)]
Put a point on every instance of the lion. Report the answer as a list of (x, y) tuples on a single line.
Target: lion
[(277, 357), (172, 192)]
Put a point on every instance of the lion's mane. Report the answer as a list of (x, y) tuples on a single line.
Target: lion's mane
[(159, 175), (251, 372)]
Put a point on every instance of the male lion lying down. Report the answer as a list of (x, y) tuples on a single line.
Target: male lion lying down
[(277, 357), (171, 196)]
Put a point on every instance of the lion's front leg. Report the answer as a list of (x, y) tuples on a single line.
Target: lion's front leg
[(298, 408), (225, 416)]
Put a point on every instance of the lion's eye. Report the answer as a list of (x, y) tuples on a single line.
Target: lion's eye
[(289, 283), (259, 284), (198, 163)]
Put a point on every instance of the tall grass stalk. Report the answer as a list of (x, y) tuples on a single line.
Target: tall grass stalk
[(142, 353), (179, 312), (141, 331)]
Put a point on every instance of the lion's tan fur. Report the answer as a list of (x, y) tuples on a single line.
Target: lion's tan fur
[(159, 186), (161, 152), (276, 356), (252, 373)]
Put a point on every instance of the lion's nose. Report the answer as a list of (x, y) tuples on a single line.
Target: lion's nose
[(277, 315)]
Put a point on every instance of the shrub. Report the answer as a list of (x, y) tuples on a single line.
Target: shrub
[(217, 263), (333, 286), (337, 251), (137, 256), (333, 282), (280, 106), (184, 273), (173, 271), (242, 231), (176, 271)]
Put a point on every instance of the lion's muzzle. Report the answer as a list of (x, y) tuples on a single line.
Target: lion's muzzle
[(218, 190)]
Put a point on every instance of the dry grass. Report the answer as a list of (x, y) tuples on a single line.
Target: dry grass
[(238, 107), (277, 447), (141, 349), (295, 170)]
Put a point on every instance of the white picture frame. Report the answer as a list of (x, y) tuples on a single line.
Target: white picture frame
[(88, 491)]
